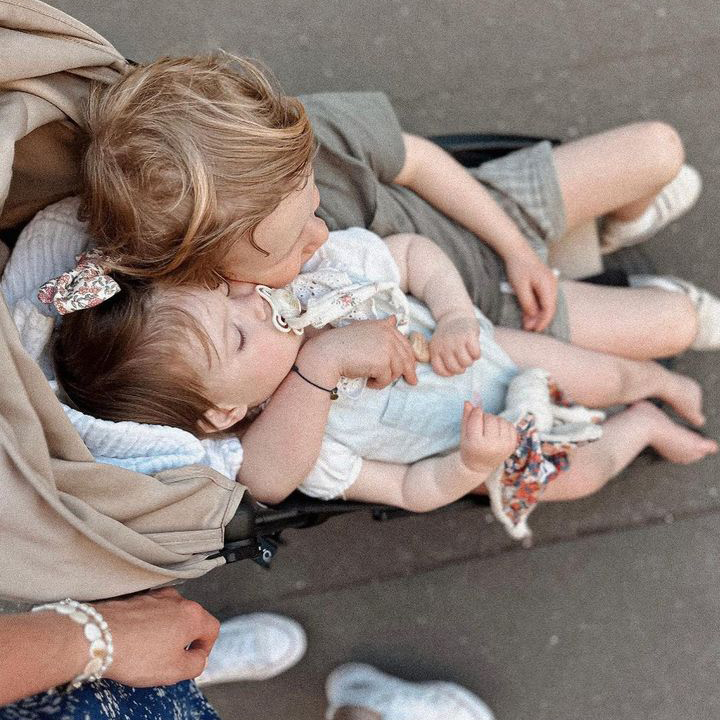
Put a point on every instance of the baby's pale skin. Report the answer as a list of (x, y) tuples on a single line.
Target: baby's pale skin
[(283, 443)]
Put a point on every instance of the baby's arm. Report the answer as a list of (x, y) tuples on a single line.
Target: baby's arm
[(438, 178), (485, 441), (282, 444), (428, 274)]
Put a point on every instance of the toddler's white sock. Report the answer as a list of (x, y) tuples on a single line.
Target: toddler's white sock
[(676, 198), (619, 232)]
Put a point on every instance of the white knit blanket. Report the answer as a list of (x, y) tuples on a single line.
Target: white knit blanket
[(46, 248)]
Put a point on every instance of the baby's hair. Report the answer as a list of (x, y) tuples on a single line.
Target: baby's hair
[(120, 360), (184, 157)]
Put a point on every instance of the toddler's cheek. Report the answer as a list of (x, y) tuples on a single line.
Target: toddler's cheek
[(318, 236)]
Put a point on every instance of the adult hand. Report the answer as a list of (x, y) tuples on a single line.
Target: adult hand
[(535, 286), (159, 638), (150, 635)]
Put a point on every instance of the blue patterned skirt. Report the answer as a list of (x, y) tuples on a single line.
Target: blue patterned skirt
[(108, 699)]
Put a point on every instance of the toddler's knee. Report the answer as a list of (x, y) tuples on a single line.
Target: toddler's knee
[(675, 321), (665, 145), (683, 321)]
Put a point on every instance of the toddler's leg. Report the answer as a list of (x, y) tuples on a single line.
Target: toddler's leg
[(618, 172), (624, 436), (639, 323), (600, 380)]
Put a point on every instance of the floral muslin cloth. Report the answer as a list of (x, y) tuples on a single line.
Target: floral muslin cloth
[(83, 287), (548, 427)]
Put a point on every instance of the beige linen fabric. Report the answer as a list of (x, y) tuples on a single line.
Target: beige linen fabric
[(70, 526), (46, 61)]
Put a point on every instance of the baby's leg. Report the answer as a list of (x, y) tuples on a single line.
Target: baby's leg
[(600, 380), (639, 323), (618, 172), (624, 436)]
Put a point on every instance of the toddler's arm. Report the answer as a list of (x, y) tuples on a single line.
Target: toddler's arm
[(428, 274), (438, 178), (283, 443), (485, 441)]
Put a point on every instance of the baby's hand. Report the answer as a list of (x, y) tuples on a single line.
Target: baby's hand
[(454, 345), (485, 439), (374, 349)]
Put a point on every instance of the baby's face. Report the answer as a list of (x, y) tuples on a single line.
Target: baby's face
[(249, 357), (290, 235)]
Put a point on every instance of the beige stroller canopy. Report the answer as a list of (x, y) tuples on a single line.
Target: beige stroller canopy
[(68, 525)]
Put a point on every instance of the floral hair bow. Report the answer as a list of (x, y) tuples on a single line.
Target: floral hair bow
[(83, 287)]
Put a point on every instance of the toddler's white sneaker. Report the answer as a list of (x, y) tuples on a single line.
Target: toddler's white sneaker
[(257, 646), (360, 685), (675, 199), (707, 306)]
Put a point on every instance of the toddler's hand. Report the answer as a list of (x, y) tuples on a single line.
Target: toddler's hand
[(485, 439), (536, 287), (454, 345)]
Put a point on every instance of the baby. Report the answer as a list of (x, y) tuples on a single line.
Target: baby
[(219, 355)]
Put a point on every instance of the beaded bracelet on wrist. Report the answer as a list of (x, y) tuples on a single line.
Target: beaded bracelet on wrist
[(96, 632)]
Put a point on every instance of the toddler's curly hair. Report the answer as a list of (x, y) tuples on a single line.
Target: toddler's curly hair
[(183, 158)]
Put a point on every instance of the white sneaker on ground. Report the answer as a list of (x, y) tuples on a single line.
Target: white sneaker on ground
[(257, 646), (707, 306), (362, 685), (675, 199)]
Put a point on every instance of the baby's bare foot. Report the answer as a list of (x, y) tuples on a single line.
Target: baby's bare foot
[(674, 442), (684, 395)]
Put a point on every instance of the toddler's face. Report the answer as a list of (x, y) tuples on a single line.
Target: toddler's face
[(249, 357), (290, 235)]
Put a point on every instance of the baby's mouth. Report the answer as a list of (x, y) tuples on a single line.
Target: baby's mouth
[(283, 305)]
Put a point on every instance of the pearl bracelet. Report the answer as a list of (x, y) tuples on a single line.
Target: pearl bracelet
[(96, 632)]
